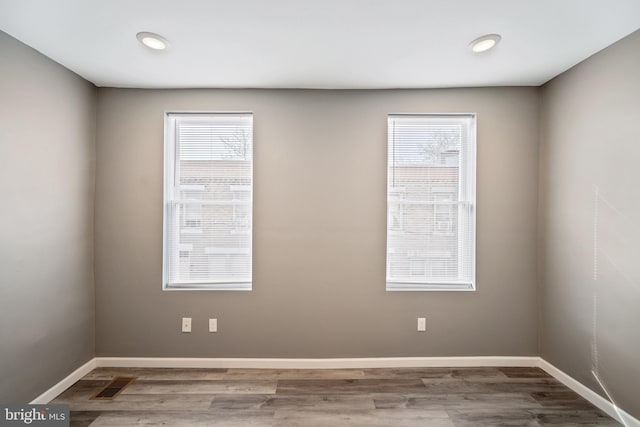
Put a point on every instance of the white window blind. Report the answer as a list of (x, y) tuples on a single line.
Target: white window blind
[(431, 202), (208, 201)]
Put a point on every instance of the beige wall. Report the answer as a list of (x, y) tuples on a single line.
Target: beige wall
[(589, 247), (319, 230), (47, 159)]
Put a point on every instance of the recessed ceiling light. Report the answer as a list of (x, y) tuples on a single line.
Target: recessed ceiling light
[(484, 43), (152, 41)]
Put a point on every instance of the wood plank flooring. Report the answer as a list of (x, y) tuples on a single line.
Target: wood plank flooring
[(337, 397)]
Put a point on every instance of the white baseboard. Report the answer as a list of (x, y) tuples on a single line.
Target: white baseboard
[(65, 383), (330, 363), (341, 363), (614, 412)]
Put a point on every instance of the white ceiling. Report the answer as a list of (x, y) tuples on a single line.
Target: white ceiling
[(318, 43)]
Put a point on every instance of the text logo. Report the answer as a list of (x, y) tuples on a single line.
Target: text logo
[(34, 415)]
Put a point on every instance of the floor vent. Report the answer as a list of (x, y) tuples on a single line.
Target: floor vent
[(114, 388)]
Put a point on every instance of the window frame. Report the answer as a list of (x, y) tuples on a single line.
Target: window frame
[(169, 175), (471, 182)]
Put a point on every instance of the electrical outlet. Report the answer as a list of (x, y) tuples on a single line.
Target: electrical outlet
[(186, 324), (213, 325), (422, 324)]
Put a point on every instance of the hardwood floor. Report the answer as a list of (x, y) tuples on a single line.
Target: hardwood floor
[(338, 397)]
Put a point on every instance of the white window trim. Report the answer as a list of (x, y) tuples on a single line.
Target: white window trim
[(169, 162), (471, 176)]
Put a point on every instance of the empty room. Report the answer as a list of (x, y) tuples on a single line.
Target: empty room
[(320, 213)]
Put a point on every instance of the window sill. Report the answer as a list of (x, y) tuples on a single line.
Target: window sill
[(208, 287), (455, 287)]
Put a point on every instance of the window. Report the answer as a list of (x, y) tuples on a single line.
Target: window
[(431, 202), (208, 183)]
